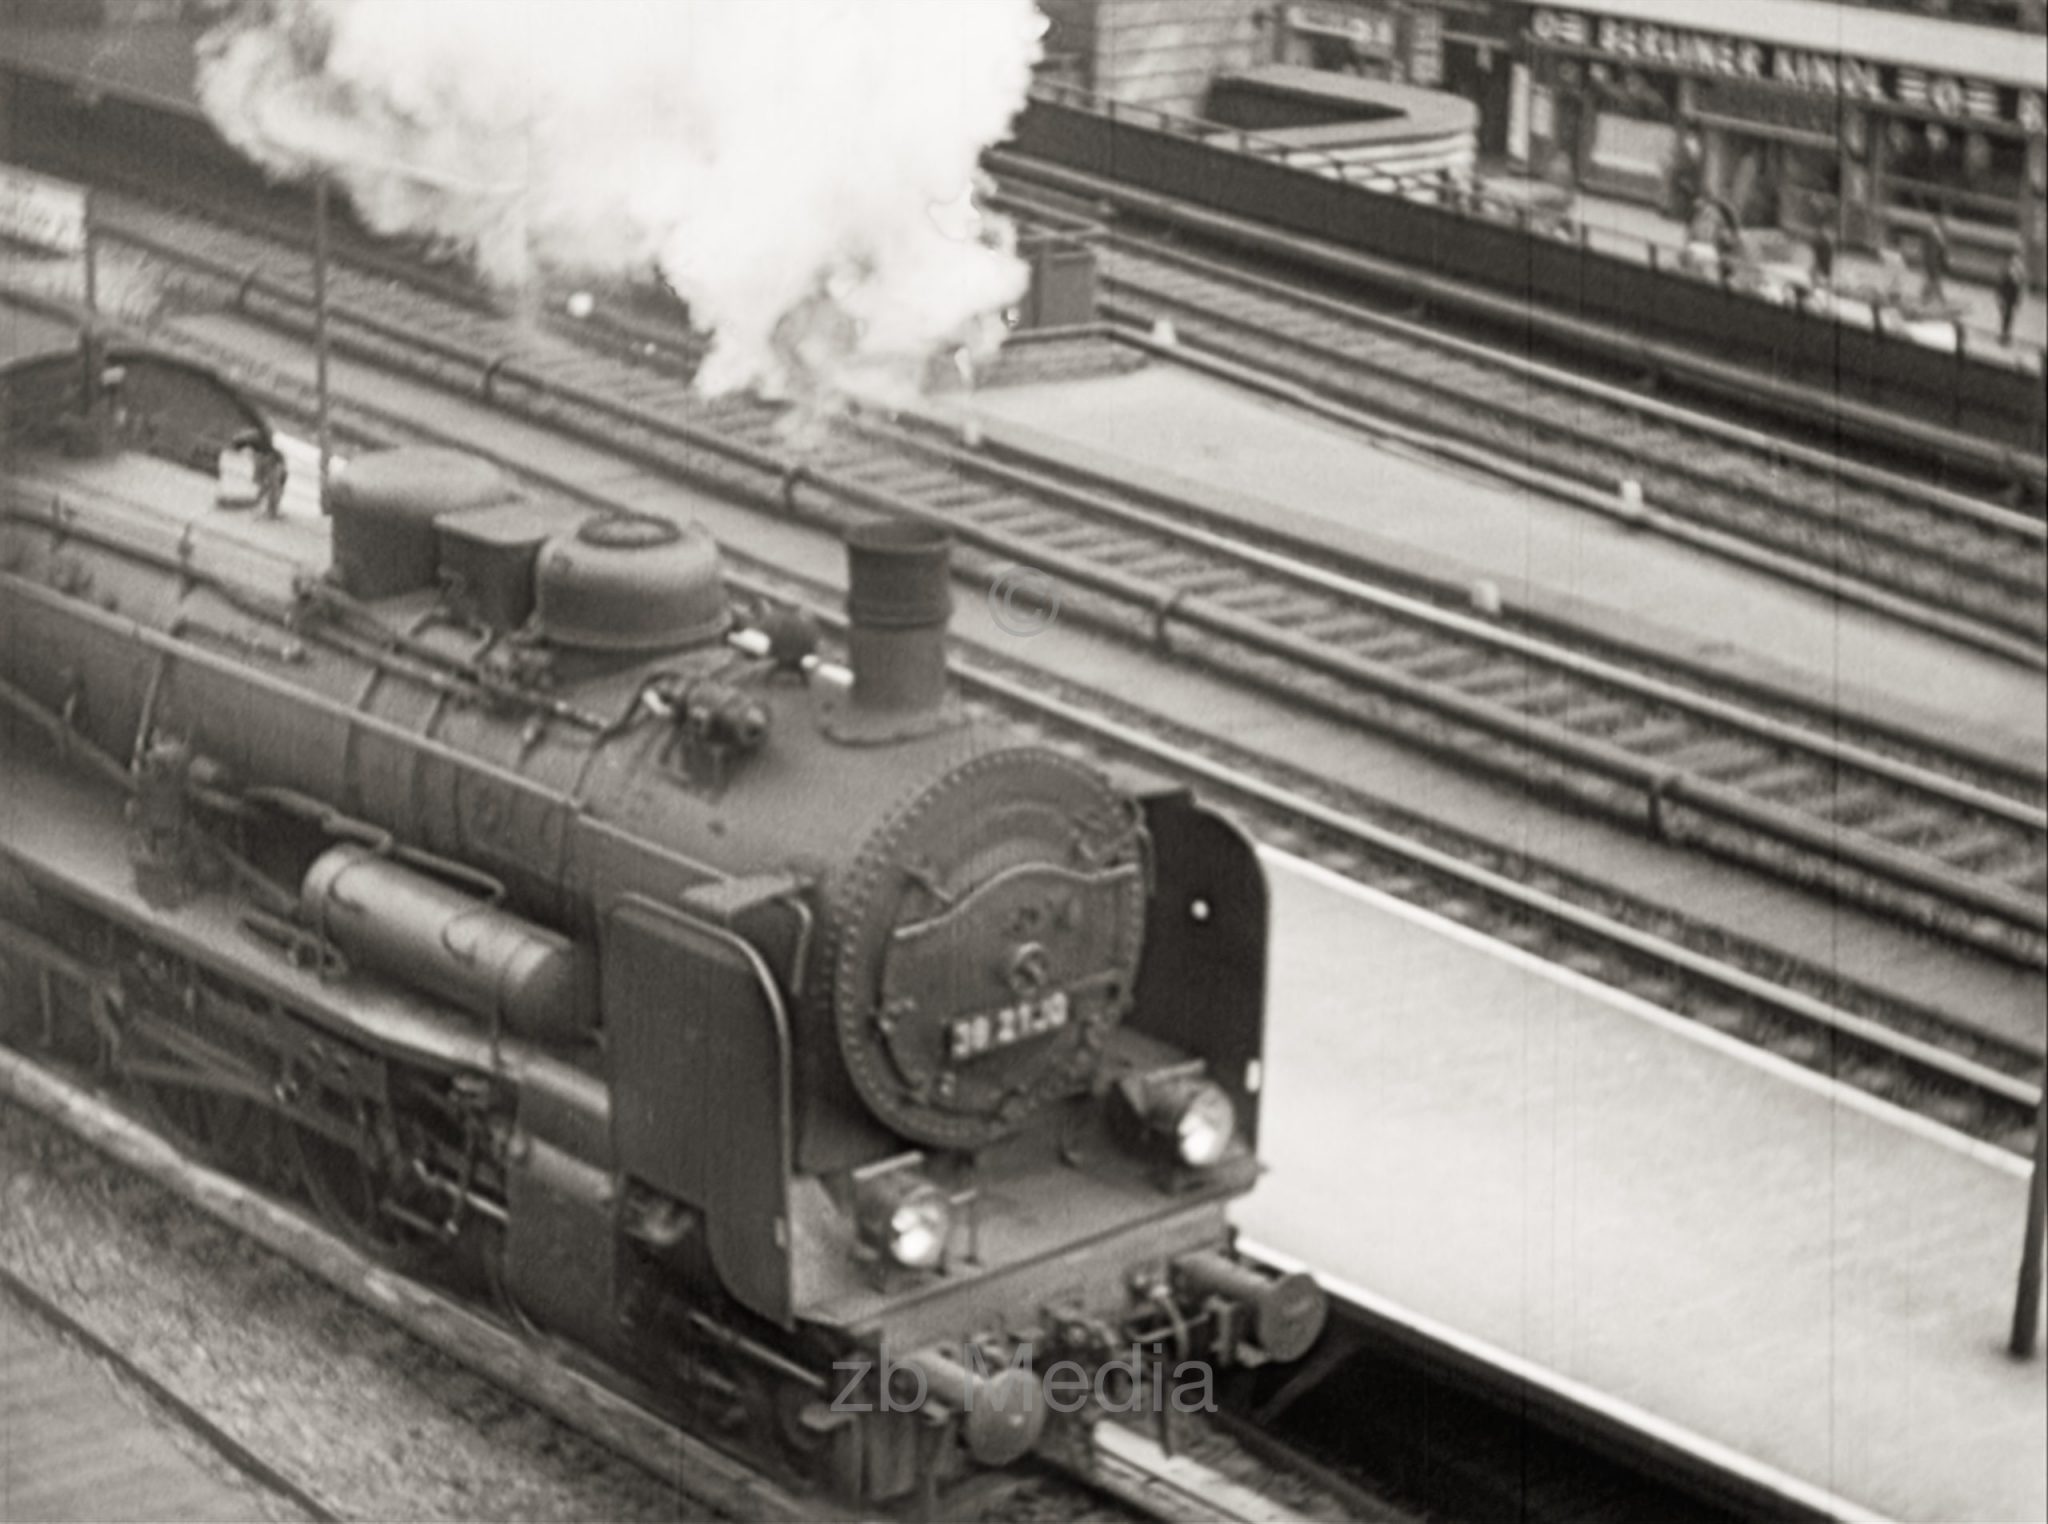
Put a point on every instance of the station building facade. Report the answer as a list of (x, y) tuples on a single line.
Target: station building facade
[(1877, 120), (1872, 122)]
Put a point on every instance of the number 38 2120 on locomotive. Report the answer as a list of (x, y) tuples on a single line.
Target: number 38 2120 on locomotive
[(730, 1013)]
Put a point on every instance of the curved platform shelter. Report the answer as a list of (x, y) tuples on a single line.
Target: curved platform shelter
[(1315, 117)]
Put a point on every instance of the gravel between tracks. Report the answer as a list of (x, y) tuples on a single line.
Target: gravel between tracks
[(352, 1409)]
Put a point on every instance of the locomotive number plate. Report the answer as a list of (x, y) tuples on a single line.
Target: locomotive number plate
[(972, 1036)]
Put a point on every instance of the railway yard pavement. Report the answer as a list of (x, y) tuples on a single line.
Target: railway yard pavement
[(1747, 1250), (1247, 458)]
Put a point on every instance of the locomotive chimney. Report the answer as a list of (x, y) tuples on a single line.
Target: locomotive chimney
[(898, 599)]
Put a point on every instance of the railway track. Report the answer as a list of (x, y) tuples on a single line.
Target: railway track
[(1935, 552), (1944, 450), (1971, 1080), (1948, 840)]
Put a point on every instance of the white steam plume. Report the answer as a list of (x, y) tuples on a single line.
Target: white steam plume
[(796, 168)]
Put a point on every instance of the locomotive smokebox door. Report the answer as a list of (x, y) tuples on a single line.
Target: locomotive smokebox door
[(998, 1005)]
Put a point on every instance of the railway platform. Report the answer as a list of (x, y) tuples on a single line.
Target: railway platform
[(75, 1444), (1741, 1248)]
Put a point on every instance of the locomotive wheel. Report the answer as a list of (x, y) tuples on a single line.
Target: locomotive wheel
[(351, 1194), (224, 1131), (214, 1127)]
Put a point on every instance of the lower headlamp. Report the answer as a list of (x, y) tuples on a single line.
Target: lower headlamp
[(1203, 1122), (1197, 1116), (1186, 1114), (903, 1215)]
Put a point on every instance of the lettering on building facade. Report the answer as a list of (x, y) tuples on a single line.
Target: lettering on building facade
[(1837, 76)]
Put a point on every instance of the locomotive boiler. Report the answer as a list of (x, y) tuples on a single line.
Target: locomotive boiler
[(473, 862)]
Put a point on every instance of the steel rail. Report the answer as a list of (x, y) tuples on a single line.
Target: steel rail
[(1162, 514), (1659, 786), (1775, 447), (2023, 650), (2004, 608), (232, 1451), (1146, 513), (1126, 502), (1137, 1471), (2011, 640)]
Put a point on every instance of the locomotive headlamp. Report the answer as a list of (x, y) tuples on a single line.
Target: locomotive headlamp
[(1200, 1119), (1184, 1113), (905, 1216)]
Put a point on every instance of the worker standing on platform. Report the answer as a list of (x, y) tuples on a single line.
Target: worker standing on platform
[(2012, 285), (1685, 180), (1893, 260), (1934, 263), (1823, 260), (1727, 249)]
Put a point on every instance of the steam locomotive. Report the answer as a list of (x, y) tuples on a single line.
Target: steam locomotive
[(467, 858)]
